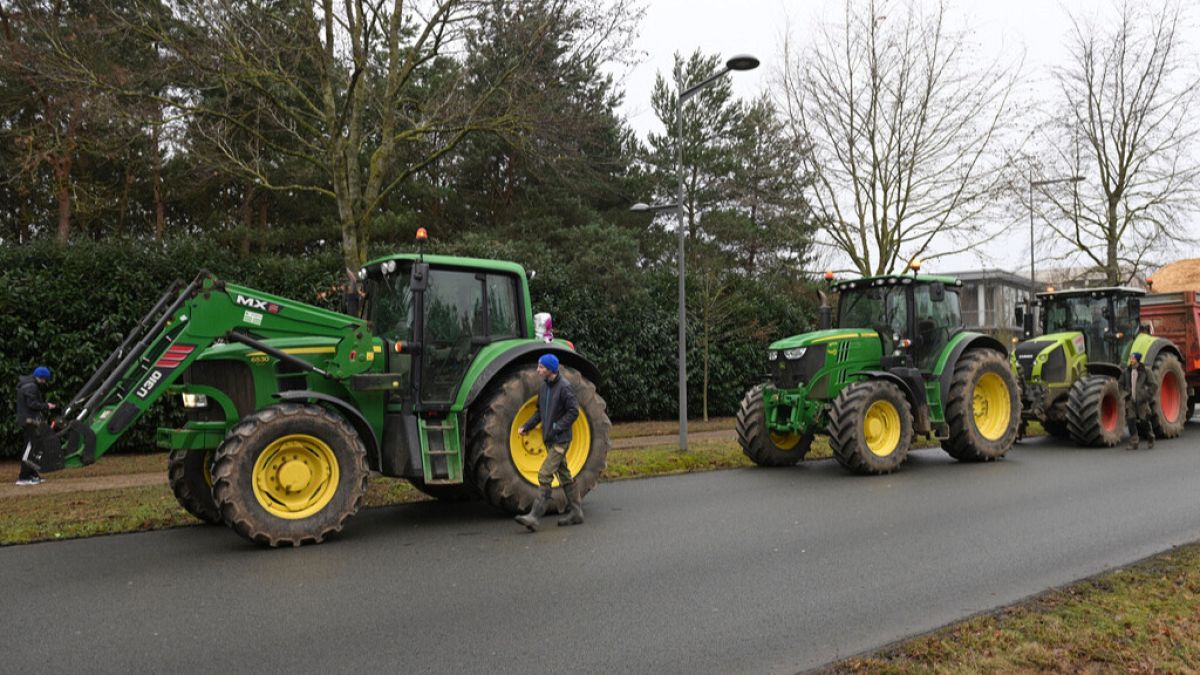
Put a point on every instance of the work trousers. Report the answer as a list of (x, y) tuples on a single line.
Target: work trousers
[(31, 434), (555, 464), (1138, 424)]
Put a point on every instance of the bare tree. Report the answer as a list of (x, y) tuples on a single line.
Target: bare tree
[(903, 125), (1128, 127)]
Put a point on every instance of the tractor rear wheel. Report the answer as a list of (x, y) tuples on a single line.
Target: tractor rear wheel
[(1170, 414), (870, 427), (504, 464), (763, 447), (290, 474), (1096, 411), (983, 407), (189, 473)]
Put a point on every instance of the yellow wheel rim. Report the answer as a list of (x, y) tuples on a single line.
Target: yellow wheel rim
[(528, 452), (881, 428), (993, 407), (787, 441), (295, 476)]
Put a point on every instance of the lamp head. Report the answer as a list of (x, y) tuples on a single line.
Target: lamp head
[(742, 62)]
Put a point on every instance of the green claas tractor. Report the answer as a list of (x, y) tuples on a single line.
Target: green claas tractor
[(1070, 373), (898, 364), (290, 406)]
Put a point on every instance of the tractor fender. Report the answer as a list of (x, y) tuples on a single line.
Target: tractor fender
[(1159, 346), (353, 416), (525, 353), (973, 341), (920, 406)]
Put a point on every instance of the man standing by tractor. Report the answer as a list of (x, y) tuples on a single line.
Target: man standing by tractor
[(32, 410), (1139, 392), (556, 411)]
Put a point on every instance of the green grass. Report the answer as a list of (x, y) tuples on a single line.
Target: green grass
[(669, 428)]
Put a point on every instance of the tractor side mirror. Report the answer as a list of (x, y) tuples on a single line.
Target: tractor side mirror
[(937, 292), (419, 279)]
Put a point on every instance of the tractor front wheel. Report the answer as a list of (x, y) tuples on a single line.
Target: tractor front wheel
[(189, 473), (983, 408), (1172, 411), (763, 447), (1096, 411), (504, 464), (290, 474), (870, 427)]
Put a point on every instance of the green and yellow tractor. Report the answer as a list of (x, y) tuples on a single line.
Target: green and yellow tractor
[(1070, 373), (290, 406), (898, 364)]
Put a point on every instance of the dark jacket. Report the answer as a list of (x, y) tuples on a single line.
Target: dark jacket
[(31, 405), (1147, 394), (556, 410)]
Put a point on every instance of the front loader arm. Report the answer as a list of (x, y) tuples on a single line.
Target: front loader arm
[(205, 312)]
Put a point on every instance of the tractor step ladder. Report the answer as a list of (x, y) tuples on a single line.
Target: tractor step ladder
[(441, 451)]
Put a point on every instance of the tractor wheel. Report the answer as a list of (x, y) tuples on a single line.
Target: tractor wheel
[(504, 464), (767, 448), (1057, 428), (446, 493), (190, 474), (983, 408), (1171, 412), (290, 474), (870, 427), (1096, 411)]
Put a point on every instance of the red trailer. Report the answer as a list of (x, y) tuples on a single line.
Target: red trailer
[(1176, 317)]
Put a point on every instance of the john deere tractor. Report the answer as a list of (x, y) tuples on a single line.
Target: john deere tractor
[(290, 406), (1070, 373), (898, 364)]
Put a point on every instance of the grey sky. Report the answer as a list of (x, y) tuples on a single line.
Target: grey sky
[(1032, 30)]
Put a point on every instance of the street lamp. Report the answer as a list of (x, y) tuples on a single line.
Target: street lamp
[(739, 62), (1032, 184)]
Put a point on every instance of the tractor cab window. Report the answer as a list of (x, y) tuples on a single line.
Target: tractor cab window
[(502, 306), (389, 305), (453, 315), (883, 309), (1083, 314), (935, 323)]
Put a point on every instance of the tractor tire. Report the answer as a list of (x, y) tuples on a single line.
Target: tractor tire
[(1096, 411), (1171, 411), (465, 492), (504, 464), (983, 408), (1057, 429), (763, 447), (290, 474), (870, 427), (189, 473)]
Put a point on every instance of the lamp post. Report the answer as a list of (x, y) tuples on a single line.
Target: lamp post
[(1032, 184), (739, 62)]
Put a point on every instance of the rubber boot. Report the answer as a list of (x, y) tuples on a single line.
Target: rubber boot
[(1150, 441), (575, 514), (530, 520), (1133, 443)]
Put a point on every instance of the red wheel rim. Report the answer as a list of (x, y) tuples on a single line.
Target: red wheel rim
[(1108, 412), (1168, 396)]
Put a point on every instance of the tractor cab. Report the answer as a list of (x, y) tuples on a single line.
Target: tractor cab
[(1107, 319), (915, 316)]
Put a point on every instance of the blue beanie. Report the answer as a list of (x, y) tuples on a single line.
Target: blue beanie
[(550, 362), (1137, 355), (42, 373)]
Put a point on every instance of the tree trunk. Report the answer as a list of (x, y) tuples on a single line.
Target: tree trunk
[(247, 218), (62, 191), (160, 211), (706, 353), (1112, 267)]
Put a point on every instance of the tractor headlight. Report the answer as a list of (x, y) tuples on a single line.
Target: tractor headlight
[(388, 266), (772, 355), (793, 354), (195, 401)]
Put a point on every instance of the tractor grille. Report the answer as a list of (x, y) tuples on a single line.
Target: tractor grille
[(787, 374), (231, 377), (1055, 368), (1027, 355)]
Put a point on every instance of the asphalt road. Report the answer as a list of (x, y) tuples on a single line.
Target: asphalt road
[(757, 571)]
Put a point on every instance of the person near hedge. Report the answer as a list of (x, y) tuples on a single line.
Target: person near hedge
[(1138, 389), (32, 410), (556, 412)]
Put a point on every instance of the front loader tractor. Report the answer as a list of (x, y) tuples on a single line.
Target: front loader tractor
[(898, 364), (290, 407), (1070, 373)]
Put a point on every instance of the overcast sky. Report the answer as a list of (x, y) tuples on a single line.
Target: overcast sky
[(1031, 30)]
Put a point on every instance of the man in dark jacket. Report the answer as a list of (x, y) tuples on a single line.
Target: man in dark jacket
[(556, 411), (32, 409), (1137, 386)]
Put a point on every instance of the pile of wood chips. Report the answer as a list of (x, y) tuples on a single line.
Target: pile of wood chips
[(1182, 275)]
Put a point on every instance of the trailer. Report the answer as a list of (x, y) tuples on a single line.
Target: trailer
[(1176, 317)]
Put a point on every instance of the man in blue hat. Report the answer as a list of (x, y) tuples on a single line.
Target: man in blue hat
[(32, 410), (1137, 386), (556, 412)]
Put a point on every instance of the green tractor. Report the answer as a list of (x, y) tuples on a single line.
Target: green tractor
[(290, 406), (1070, 372), (898, 364)]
